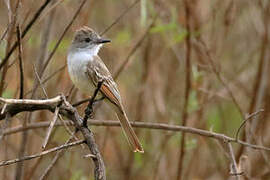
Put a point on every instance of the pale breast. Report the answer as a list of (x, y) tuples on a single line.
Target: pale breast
[(77, 66)]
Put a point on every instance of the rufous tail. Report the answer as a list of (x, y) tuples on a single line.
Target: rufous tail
[(129, 132)]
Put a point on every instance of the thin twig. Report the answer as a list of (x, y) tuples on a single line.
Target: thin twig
[(51, 127), (20, 62), (56, 157), (39, 81), (245, 120), (219, 76), (4, 126), (187, 90), (81, 102), (8, 162), (234, 170), (49, 77), (4, 34), (4, 108), (89, 109)]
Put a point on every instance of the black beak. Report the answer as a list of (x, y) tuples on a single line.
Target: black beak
[(102, 41)]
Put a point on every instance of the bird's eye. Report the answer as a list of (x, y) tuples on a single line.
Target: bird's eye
[(87, 40)]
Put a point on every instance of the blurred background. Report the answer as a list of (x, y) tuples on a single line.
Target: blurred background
[(203, 64)]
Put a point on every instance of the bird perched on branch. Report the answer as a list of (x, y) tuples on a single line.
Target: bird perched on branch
[(87, 71)]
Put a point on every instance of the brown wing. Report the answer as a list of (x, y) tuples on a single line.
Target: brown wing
[(98, 72)]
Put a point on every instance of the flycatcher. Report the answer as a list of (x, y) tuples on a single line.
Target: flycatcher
[(86, 70)]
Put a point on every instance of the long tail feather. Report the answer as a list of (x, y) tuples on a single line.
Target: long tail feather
[(129, 132)]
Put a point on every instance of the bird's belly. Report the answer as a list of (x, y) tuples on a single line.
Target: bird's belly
[(81, 81)]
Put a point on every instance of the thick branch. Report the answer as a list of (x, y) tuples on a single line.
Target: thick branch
[(72, 114), (15, 106)]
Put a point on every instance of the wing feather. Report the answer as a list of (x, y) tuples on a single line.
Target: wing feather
[(98, 72)]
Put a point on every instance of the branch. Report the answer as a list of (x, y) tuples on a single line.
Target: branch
[(55, 159), (245, 120), (50, 128), (8, 162), (100, 172), (15, 106), (145, 125), (234, 170), (187, 90), (20, 61)]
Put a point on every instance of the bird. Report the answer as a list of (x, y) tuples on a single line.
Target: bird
[(86, 70)]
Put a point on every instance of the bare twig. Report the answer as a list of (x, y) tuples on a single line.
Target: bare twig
[(219, 76), (56, 157), (51, 127), (54, 73), (245, 120), (8, 162), (234, 170), (49, 77), (89, 156), (20, 61), (4, 126), (4, 34), (39, 81), (89, 109), (81, 102), (4, 108), (187, 90), (12, 19)]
